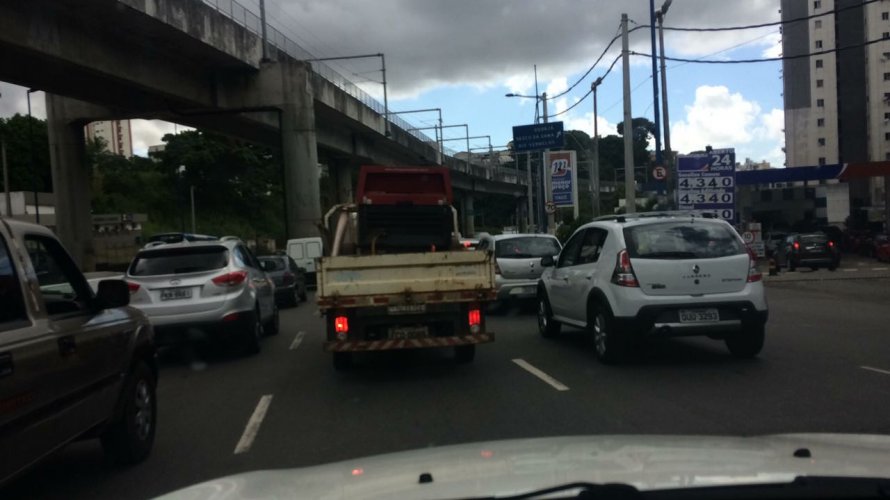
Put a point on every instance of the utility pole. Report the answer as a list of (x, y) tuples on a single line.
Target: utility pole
[(531, 202), (545, 177), (630, 201), (668, 152), (386, 131), (33, 163), (595, 157), (5, 176), (192, 193), (263, 27), (655, 108)]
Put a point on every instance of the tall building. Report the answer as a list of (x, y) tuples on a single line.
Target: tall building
[(837, 105), (116, 133)]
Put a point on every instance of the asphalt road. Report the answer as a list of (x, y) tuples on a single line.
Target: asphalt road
[(825, 368)]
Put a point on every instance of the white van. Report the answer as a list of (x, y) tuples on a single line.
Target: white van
[(304, 251)]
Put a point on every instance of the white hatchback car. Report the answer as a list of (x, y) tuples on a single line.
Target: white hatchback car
[(629, 278)]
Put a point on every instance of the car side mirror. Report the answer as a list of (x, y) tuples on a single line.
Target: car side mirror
[(547, 261), (112, 293)]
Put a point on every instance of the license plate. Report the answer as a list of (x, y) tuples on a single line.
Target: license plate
[(176, 293), (408, 332), (407, 309), (699, 315)]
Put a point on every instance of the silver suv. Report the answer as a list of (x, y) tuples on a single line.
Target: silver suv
[(214, 288), (518, 262), (647, 276)]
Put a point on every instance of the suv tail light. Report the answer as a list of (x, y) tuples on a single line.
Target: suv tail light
[(753, 273), (624, 272), (796, 245), (134, 287), (233, 278), (288, 278)]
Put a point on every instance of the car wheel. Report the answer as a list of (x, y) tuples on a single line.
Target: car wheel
[(342, 361), (464, 353), (274, 325), (609, 345), (250, 339), (747, 343), (832, 266), (547, 326), (303, 297), (294, 299), (129, 438), (792, 266)]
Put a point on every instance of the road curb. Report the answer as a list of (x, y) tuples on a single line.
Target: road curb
[(838, 278)]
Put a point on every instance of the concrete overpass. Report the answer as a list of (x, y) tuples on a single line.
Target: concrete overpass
[(188, 62)]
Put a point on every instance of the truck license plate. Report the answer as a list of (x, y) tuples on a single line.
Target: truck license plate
[(407, 309), (408, 332), (699, 315), (176, 293)]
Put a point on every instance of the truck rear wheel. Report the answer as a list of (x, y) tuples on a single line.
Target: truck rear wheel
[(342, 361), (465, 353)]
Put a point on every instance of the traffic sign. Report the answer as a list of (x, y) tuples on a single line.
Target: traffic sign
[(550, 207), (538, 136), (659, 173), (748, 236)]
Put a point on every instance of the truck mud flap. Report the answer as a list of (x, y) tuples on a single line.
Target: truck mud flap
[(386, 345)]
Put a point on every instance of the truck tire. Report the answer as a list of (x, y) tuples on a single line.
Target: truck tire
[(464, 353), (342, 361), (748, 343), (128, 439)]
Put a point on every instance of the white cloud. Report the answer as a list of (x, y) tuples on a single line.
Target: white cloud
[(585, 124), (14, 99), (722, 119), (773, 44), (520, 83), (149, 133)]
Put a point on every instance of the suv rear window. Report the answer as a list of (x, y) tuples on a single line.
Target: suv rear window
[(275, 263), (179, 261), (525, 248), (682, 240), (813, 238)]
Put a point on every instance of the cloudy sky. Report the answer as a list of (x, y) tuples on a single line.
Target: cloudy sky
[(464, 55)]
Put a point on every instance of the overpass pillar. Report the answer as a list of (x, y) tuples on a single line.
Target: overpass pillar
[(469, 217), (301, 172), (345, 185), (65, 120)]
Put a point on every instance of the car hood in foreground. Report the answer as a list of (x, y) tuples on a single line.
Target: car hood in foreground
[(514, 466)]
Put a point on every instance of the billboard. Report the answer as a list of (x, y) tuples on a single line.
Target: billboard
[(706, 183), (563, 177)]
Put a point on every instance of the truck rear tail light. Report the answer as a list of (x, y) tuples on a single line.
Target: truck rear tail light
[(134, 287), (474, 319), (233, 278), (753, 273), (624, 272), (341, 324)]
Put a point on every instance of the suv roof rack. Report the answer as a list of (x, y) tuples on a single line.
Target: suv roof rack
[(667, 213)]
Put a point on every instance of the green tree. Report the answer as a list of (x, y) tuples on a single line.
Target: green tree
[(27, 153)]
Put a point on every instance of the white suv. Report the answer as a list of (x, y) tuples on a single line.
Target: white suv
[(629, 278)]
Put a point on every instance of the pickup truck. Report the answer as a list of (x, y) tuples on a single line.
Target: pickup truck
[(74, 363), (397, 276)]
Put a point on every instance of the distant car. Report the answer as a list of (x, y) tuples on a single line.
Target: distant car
[(289, 278), (813, 250), (630, 278), (305, 251), (217, 288), (881, 247), (773, 240), (518, 262)]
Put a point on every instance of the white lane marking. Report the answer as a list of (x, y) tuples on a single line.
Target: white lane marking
[(297, 340), (849, 270), (885, 372), (879, 269), (541, 375), (253, 425)]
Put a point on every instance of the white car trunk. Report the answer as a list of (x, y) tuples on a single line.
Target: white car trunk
[(692, 276)]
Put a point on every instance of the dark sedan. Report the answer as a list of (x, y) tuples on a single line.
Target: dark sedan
[(289, 278), (813, 250)]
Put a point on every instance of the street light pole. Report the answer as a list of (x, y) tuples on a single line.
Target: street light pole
[(595, 157), (655, 109), (668, 152), (630, 202), (31, 154)]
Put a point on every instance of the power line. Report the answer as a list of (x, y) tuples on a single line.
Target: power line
[(766, 59), (775, 23), (579, 101)]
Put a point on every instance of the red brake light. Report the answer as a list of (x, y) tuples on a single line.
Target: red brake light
[(624, 272), (796, 245), (288, 278), (474, 318), (467, 244), (830, 244), (233, 278), (134, 287), (341, 324), (753, 273)]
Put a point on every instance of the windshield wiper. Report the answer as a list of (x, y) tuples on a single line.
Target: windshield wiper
[(668, 255), (618, 491)]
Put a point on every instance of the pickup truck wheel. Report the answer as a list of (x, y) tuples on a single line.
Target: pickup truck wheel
[(342, 361), (748, 343), (129, 438), (610, 346), (274, 324), (464, 353), (547, 326)]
